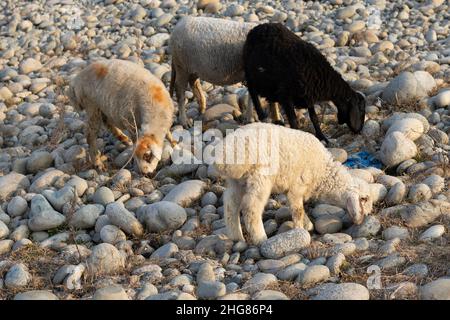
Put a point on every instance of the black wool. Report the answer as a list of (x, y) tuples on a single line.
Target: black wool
[(283, 68)]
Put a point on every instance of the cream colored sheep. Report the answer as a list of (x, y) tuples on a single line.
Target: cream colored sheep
[(119, 94), (209, 49), (288, 161)]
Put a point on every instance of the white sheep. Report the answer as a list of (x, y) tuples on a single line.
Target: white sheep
[(120, 94), (209, 49), (259, 159)]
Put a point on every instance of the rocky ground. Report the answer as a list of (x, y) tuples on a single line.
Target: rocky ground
[(70, 232)]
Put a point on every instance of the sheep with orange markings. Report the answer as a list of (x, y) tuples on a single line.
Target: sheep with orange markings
[(124, 96)]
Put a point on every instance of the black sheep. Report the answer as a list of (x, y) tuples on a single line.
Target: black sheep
[(283, 68)]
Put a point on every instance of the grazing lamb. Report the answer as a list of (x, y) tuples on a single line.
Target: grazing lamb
[(289, 161), (283, 68), (120, 94), (209, 49)]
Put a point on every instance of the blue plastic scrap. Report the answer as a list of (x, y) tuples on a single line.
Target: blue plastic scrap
[(362, 159)]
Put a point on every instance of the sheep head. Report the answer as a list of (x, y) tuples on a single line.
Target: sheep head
[(148, 153), (352, 111), (358, 206)]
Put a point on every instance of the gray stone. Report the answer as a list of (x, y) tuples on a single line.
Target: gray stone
[(285, 243), (166, 251), (46, 180), (391, 262), (105, 259), (396, 148), (395, 232), (205, 273), (147, 290), (328, 224), (4, 230), (86, 216), (36, 295), (270, 265), (313, 275), (21, 232), (17, 206), (408, 86), (368, 228), (410, 127), (103, 196), (235, 296), (432, 233), (5, 246), (435, 183), (270, 295), (341, 291), (17, 277), (124, 219), (423, 213), (162, 216), (396, 194), (419, 270), (79, 184), (186, 193), (378, 192), (291, 272), (12, 182), (38, 161), (210, 290), (259, 282), (436, 290), (209, 198), (114, 292), (419, 192), (29, 65), (112, 234), (335, 263), (158, 40), (43, 216), (61, 197), (326, 210), (442, 99)]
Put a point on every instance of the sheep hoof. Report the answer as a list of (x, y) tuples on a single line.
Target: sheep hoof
[(99, 163), (279, 122), (186, 123), (240, 118), (321, 137)]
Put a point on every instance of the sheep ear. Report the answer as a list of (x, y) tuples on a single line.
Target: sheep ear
[(355, 208), (357, 114), (156, 151)]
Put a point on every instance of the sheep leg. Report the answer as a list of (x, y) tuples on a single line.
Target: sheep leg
[(198, 93), (249, 110), (259, 111), (297, 209), (181, 83), (122, 137), (292, 116), (276, 114), (315, 122), (232, 199), (172, 141), (256, 194), (92, 128)]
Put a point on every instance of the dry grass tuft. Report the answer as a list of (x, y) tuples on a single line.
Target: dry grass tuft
[(42, 264), (316, 250), (61, 129), (292, 290)]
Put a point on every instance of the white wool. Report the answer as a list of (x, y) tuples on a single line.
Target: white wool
[(305, 170), (211, 48), (122, 93)]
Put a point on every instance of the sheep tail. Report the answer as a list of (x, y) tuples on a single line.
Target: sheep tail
[(173, 75)]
